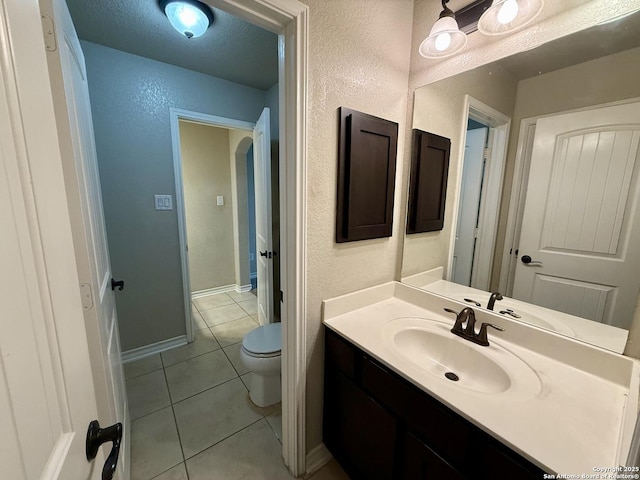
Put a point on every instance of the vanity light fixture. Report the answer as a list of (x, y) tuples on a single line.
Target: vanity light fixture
[(506, 16), (445, 38), (189, 17)]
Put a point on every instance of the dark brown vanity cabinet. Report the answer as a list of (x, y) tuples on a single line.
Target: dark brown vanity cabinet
[(379, 426)]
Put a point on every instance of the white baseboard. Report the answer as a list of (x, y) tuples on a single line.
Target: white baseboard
[(213, 291), (223, 289), (147, 350), (317, 458)]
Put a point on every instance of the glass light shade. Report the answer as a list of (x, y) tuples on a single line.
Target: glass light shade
[(444, 40), (188, 18), (506, 16)]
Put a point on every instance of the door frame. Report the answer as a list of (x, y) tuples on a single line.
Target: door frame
[(290, 20), (519, 189), (499, 126), (177, 114)]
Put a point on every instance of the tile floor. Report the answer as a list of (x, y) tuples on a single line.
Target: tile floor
[(191, 414)]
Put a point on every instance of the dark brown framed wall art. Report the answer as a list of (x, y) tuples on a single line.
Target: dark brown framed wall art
[(366, 176), (428, 184)]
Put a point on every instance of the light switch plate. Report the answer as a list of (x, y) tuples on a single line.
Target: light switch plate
[(220, 200), (163, 202)]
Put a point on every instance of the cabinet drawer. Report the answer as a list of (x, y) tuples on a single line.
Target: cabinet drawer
[(339, 353), (443, 430)]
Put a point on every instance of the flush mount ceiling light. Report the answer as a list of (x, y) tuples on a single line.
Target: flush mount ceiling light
[(445, 38), (506, 16), (189, 17)]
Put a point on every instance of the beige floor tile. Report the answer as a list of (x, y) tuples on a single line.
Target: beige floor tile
[(155, 446), (203, 342), (198, 321), (198, 374), (242, 297), (251, 454), (232, 332), (331, 471), (147, 393), (209, 417), (233, 353), (224, 314), (179, 472), (246, 379), (142, 366), (275, 420), (212, 301), (251, 306)]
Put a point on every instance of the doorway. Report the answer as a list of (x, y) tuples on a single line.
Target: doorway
[(486, 132), (213, 159)]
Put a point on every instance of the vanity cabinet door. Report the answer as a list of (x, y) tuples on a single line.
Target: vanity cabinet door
[(419, 462), (428, 419), (494, 461), (357, 430)]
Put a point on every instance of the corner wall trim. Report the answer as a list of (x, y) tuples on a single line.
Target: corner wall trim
[(317, 458), (152, 349)]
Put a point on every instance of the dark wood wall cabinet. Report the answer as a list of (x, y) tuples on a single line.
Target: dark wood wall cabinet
[(378, 426), (428, 185), (366, 176)]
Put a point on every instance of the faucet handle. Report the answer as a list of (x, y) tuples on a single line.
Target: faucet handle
[(482, 335), (460, 319)]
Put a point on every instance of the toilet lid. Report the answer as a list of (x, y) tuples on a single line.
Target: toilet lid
[(265, 339)]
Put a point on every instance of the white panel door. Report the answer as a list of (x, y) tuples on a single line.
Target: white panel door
[(75, 132), (47, 392), (470, 193), (581, 215), (262, 175)]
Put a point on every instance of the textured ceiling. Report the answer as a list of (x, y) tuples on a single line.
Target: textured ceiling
[(231, 48)]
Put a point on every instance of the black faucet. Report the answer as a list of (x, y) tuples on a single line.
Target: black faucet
[(468, 332), (492, 300)]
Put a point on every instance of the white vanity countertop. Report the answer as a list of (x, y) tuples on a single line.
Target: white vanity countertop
[(581, 418), (602, 335)]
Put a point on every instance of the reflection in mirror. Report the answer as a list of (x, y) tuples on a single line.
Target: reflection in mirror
[(542, 204)]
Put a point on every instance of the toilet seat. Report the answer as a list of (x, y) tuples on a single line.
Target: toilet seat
[(263, 342)]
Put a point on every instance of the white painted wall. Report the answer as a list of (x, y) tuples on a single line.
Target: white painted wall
[(358, 58)]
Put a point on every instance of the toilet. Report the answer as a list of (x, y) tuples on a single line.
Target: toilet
[(261, 353)]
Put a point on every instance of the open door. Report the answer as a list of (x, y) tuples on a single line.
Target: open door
[(264, 246), (48, 361), (469, 210), (79, 162)]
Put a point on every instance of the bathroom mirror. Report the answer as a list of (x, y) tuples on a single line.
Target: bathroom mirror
[(542, 202)]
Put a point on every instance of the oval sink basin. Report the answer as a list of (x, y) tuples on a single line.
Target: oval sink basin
[(431, 347), (442, 355)]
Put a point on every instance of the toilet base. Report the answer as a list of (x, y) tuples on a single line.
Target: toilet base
[(265, 390)]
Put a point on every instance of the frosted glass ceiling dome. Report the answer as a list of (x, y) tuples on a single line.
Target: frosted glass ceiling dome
[(189, 17)]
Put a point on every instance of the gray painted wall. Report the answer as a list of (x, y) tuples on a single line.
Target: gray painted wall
[(130, 100)]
